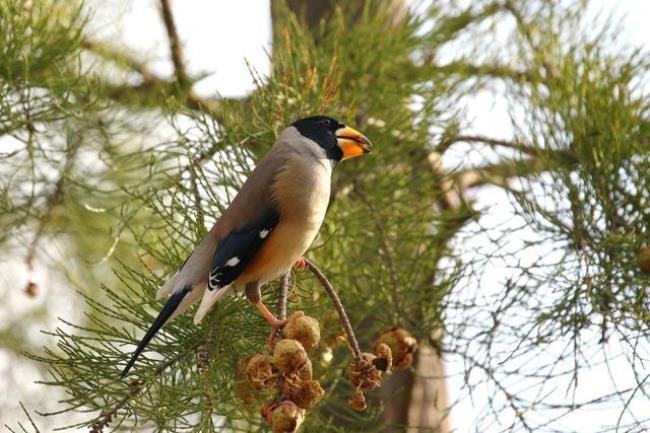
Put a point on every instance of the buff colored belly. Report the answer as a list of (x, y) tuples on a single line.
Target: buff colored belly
[(302, 191), (286, 244)]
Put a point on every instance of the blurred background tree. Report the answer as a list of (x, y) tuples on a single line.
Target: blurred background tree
[(111, 172)]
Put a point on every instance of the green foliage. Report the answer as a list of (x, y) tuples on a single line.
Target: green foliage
[(390, 241), (575, 297), (590, 121), (371, 213), (38, 50)]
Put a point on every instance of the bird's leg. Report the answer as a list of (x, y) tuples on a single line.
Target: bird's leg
[(273, 321), (253, 294), (300, 264)]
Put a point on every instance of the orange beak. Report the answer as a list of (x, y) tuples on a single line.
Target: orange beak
[(352, 143)]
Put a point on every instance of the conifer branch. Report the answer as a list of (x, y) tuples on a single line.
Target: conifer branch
[(175, 48), (284, 293), (338, 305), (489, 141), (490, 71), (152, 87), (500, 173), (29, 418), (119, 57), (526, 30), (385, 252), (56, 199), (106, 417), (200, 217)]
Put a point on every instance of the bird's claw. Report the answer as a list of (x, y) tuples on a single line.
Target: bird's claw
[(276, 327)]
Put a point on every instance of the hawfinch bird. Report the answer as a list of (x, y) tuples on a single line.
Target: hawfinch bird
[(269, 225)]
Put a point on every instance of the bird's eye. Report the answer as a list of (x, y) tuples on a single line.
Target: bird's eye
[(326, 123)]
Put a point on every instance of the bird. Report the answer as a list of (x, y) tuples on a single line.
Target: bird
[(268, 226)]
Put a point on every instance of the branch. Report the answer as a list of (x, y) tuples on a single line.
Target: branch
[(343, 317), (492, 142), (55, 200), (137, 385), (106, 417), (176, 51), (152, 85), (492, 71), (468, 178), (282, 299), (528, 33), (385, 252), (500, 173), (200, 217), (119, 57)]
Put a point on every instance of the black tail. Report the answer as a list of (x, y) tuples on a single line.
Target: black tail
[(166, 312)]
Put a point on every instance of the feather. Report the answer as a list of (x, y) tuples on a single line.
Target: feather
[(237, 249), (210, 297), (233, 255), (170, 306)]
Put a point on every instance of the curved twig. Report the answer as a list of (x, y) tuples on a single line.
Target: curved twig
[(345, 321), (282, 300)]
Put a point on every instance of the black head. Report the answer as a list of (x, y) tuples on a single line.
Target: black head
[(340, 142), (322, 130)]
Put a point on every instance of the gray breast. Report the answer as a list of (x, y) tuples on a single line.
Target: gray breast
[(302, 187)]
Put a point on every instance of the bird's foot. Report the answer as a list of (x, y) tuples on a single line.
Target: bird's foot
[(300, 264), (275, 332), (276, 324)]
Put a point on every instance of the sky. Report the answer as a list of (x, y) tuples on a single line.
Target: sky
[(226, 38)]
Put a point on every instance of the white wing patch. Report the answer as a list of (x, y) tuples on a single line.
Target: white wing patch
[(232, 262), (214, 279), (264, 233)]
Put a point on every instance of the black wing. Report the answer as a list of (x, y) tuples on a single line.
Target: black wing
[(233, 254), (236, 250)]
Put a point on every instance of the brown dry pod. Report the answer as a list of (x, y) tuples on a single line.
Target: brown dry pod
[(358, 401), (243, 387), (286, 417), (306, 372), (289, 356), (363, 373), (402, 346), (384, 359), (261, 372), (644, 260), (266, 410), (303, 328), (31, 289), (304, 393)]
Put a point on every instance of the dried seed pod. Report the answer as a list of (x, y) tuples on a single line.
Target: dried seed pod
[(286, 417), (363, 373), (289, 356), (261, 372), (384, 359), (304, 393), (266, 410), (202, 358), (402, 345), (644, 260), (243, 388), (358, 401), (303, 328), (305, 372), (31, 289)]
